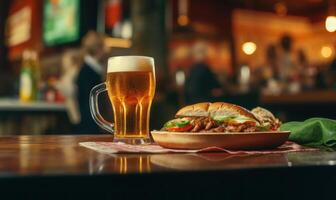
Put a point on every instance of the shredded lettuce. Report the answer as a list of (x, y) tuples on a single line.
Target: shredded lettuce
[(235, 119), (220, 119), (176, 123), (242, 119)]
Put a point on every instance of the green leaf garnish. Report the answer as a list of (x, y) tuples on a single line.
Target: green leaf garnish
[(176, 123)]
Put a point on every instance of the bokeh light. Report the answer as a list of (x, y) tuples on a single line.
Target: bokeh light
[(183, 20), (249, 48), (326, 51), (180, 77), (330, 23), (280, 8)]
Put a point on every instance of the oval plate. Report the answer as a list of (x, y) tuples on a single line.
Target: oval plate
[(230, 141)]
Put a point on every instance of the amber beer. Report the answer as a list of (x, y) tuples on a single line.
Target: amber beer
[(131, 94), (130, 84)]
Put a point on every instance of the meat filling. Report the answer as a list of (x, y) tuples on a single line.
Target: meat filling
[(206, 124)]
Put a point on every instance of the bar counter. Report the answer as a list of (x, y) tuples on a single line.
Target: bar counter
[(303, 105), (308, 97), (38, 106), (34, 166)]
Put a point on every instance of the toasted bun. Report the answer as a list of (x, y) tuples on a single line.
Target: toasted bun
[(214, 109), (195, 110), (266, 117), (263, 115), (222, 108)]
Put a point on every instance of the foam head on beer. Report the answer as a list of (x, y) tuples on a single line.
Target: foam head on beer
[(130, 63)]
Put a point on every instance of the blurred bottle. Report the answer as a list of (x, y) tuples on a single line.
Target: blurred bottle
[(27, 82), (113, 15), (244, 78), (35, 65)]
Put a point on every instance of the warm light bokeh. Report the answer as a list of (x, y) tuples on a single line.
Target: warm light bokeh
[(249, 48), (326, 51), (183, 20), (330, 23)]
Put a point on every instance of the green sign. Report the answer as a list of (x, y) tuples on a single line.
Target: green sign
[(60, 21)]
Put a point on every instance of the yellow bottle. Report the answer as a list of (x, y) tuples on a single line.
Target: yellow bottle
[(36, 74), (26, 78)]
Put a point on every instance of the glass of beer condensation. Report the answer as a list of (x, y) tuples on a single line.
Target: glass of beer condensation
[(130, 84)]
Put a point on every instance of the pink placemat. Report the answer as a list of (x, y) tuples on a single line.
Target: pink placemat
[(113, 148)]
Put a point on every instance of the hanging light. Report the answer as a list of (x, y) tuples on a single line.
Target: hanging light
[(249, 48), (330, 23)]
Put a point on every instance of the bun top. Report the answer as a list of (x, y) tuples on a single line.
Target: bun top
[(215, 109), (263, 115), (130, 63), (195, 110)]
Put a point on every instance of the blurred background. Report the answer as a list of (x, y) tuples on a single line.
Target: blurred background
[(279, 54)]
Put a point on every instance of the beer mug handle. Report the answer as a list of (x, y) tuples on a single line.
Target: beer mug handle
[(94, 108)]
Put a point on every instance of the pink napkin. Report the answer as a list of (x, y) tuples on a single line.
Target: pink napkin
[(112, 148)]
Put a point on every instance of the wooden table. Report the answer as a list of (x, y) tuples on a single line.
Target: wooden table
[(56, 167)]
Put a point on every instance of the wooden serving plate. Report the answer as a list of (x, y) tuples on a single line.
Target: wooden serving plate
[(230, 141)]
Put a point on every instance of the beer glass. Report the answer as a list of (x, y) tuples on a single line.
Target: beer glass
[(130, 83)]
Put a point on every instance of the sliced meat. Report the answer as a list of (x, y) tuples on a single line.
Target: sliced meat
[(202, 123), (241, 128), (251, 129), (232, 128), (210, 125), (219, 129), (196, 128), (206, 124)]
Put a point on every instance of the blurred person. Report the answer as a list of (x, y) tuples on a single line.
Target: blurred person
[(269, 73), (307, 72), (201, 83), (323, 79), (286, 61), (91, 73), (272, 63), (302, 64), (67, 86), (302, 59), (332, 74), (289, 72), (333, 64)]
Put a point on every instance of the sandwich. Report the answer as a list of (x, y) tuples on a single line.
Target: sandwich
[(221, 117)]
